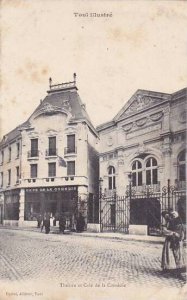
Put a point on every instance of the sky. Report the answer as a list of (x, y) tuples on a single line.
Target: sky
[(143, 45)]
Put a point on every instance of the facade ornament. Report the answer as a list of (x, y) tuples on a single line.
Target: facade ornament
[(141, 121), (50, 82), (141, 149), (110, 141), (140, 102), (166, 110), (120, 162), (166, 149), (127, 127), (49, 109), (157, 116)]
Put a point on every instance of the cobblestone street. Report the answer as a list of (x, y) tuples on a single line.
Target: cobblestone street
[(70, 260)]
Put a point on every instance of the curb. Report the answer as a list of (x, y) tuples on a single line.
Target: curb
[(124, 237)]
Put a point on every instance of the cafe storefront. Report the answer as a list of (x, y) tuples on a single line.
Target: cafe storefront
[(53, 200), (11, 203)]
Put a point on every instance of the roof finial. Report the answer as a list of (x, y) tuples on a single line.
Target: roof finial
[(74, 77), (50, 82)]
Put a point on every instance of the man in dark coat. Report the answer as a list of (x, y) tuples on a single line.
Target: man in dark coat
[(80, 223), (47, 223), (62, 223)]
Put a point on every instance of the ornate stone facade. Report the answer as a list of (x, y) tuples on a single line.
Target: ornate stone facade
[(50, 163), (149, 140)]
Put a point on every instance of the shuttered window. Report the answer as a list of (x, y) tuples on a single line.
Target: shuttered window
[(71, 168), (71, 143), (34, 170), (52, 145), (34, 147), (51, 169)]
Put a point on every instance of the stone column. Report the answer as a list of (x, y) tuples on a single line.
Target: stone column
[(21, 207)]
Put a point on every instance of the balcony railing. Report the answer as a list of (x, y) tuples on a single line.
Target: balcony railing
[(145, 189), (51, 181), (68, 150), (33, 153), (51, 152)]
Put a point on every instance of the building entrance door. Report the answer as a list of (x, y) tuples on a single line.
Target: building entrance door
[(146, 211)]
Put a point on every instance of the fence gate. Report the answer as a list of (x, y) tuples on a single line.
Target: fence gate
[(144, 209), (114, 214)]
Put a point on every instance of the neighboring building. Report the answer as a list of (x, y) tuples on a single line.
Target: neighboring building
[(140, 149), (50, 162)]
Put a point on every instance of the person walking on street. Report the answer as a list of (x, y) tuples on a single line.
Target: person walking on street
[(80, 224), (173, 258), (39, 220), (62, 223), (46, 222)]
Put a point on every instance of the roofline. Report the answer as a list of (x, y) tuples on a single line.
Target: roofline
[(113, 122)]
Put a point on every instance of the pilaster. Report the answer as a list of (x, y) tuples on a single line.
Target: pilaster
[(21, 207)]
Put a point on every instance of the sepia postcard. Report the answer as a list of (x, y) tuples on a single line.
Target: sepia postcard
[(93, 150)]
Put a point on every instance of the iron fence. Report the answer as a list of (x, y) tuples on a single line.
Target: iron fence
[(118, 212)]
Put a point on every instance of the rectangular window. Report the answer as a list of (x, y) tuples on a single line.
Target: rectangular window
[(34, 170), (9, 153), (17, 174), (71, 168), (34, 147), (18, 150), (1, 179), (71, 143), (9, 177), (52, 145), (51, 169)]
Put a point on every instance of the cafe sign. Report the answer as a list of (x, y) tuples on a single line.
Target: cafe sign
[(52, 189)]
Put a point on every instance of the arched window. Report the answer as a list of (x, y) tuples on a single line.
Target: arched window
[(111, 178), (182, 166), (136, 173), (151, 171)]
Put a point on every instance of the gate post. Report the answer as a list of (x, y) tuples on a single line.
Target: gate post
[(100, 203), (168, 192)]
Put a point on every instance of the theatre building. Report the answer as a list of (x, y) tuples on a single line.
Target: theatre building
[(143, 161), (50, 162)]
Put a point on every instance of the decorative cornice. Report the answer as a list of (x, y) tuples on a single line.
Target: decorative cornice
[(48, 109)]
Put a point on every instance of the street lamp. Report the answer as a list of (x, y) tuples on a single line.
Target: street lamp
[(100, 197)]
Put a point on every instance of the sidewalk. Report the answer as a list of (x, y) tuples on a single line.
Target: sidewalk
[(106, 235)]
